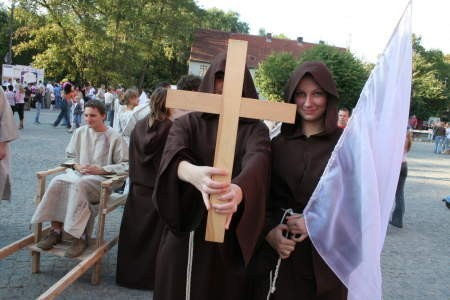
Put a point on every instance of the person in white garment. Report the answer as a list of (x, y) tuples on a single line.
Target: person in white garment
[(93, 151), (143, 98), (125, 120), (8, 133)]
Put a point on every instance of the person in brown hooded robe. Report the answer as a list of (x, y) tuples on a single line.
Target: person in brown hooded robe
[(218, 269), (300, 154), (141, 227)]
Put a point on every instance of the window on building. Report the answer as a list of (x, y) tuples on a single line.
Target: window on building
[(203, 69)]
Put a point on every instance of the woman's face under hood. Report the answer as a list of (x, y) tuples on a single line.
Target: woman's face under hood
[(321, 106), (311, 100)]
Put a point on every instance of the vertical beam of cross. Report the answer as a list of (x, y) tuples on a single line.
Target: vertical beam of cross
[(228, 125)]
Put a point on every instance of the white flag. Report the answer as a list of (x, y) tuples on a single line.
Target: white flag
[(348, 213)]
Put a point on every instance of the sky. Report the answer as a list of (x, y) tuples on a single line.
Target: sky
[(363, 26)]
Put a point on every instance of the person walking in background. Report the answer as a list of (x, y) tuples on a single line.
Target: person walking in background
[(439, 135), (446, 146), (20, 104), (39, 102), (57, 93), (67, 99), (48, 95), (28, 90), (399, 210), (10, 97)]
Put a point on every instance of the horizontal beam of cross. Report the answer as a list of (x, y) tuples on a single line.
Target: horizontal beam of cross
[(212, 103)]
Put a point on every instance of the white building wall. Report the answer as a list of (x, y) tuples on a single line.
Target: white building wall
[(198, 68)]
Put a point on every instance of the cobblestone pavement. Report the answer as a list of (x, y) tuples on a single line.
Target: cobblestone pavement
[(415, 260)]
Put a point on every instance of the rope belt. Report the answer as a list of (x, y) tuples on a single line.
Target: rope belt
[(273, 281), (189, 265)]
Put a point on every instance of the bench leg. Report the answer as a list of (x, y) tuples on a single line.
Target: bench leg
[(100, 236), (36, 262), (36, 256), (95, 280)]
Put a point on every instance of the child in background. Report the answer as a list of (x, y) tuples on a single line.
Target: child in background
[(77, 111)]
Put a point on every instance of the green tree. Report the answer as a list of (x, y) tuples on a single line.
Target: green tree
[(128, 42), (215, 18), (273, 73), (348, 71), (101, 42), (4, 35), (431, 72)]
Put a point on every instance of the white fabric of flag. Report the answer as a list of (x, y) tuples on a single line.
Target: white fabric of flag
[(348, 213)]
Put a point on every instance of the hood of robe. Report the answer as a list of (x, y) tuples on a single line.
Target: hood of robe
[(218, 65), (322, 75)]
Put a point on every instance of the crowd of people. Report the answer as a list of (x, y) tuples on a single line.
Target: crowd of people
[(168, 154)]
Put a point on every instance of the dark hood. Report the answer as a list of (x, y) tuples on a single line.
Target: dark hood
[(218, 65), (322, 75)]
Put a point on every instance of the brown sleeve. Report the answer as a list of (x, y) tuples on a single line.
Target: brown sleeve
[(177, 201), (254, 180)]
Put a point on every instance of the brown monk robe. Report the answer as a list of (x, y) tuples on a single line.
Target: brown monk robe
[(141, 226), (217, 269), (299, 160)]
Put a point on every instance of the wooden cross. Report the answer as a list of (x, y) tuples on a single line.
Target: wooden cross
[(229, 106)]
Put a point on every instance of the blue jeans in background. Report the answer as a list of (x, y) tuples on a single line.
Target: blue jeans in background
[(38, 112), (77, 120), (111, 118), (399, 210), (63, 114), (438, 144)]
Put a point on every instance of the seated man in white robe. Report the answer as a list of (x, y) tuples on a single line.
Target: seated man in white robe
[(94, 150)]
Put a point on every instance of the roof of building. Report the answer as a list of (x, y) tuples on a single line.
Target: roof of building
[(208, 43)]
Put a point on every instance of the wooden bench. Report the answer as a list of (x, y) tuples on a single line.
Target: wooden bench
[(92, 256)]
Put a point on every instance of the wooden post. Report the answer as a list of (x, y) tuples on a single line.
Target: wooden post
[(104, 196), (230, 106), (36, 256)]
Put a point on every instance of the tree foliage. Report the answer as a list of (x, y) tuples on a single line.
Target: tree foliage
[(129, 42), (273, 73), (215, 18), (431, 73), (348, 71), (4, 35)]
